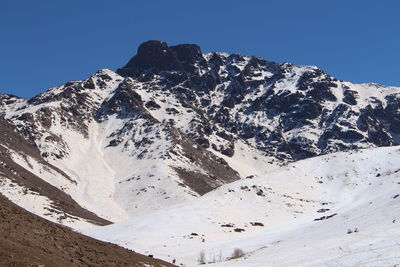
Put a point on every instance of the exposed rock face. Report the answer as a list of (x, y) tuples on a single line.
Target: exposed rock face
[(153, 56), (290, 112), (156, 56)]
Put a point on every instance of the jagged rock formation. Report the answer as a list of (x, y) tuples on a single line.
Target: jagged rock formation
[(268, 104)]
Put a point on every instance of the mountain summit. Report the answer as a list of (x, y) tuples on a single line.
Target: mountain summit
[(156, 56)]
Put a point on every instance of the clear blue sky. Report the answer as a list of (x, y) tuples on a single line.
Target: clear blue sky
[(47, 42)]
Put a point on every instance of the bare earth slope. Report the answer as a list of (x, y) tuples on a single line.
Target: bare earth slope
[(28, 240)]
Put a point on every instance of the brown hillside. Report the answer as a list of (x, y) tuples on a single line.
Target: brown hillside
[(28, 240)]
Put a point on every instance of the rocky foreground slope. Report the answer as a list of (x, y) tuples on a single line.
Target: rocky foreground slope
[(27, 240), (174, 124)]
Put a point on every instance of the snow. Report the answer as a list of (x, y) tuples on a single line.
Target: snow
[(95, 177), (360, 187), (39, 169), (39, 205), (247, 160), (113, 182)]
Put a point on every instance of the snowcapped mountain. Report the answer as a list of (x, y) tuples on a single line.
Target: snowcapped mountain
[(175, 123), (175, 128)]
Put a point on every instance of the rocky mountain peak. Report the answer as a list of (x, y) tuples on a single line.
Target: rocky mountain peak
[(155, 56)]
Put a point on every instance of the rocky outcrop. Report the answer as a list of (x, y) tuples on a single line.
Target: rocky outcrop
[(157, 56)]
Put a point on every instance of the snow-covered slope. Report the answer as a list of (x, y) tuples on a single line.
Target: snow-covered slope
[(98, 143), (340, 209)]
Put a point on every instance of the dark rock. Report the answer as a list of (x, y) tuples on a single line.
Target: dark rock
[(89, 84), (224, 135), (152, 105), (325, 217), (175, 78), (203, 142), (114, 142), (228, 150), (28, 117), (260, 193), (152, 56), (322, 210), (171, 111), (156, 56), (228, 102), (189, 55), (350, 97)]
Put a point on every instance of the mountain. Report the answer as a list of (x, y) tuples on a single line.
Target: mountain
[(174, 125)]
